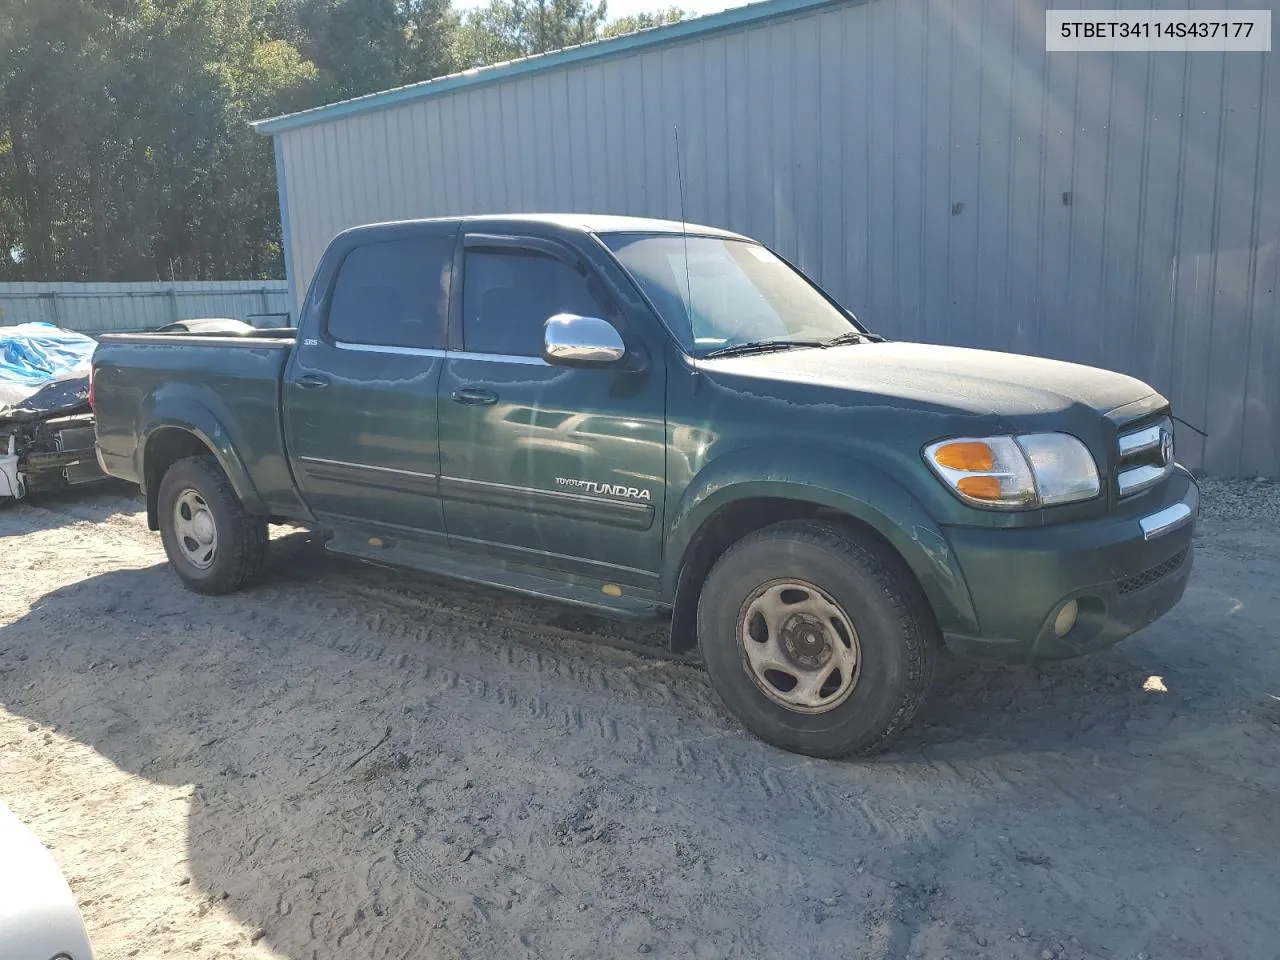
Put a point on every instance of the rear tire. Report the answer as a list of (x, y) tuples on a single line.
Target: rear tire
[(818, 640), (213, 543)]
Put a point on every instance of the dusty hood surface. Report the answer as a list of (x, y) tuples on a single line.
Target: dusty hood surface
[(960, 379)]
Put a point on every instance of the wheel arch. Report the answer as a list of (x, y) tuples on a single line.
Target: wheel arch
[(190, 432), (717, 512)]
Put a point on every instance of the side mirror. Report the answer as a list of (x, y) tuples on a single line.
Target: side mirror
[(569, 340)]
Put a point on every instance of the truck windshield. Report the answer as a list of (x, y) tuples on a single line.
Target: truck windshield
[(733, 292)]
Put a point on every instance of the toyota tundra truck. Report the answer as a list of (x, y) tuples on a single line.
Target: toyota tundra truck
[(654, 419)]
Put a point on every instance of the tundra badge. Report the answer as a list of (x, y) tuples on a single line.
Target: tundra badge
[(608, 489)]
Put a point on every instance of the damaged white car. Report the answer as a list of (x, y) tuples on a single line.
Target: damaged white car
[(46, 425)]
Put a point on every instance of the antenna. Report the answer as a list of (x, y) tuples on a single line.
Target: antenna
[(684, 232)]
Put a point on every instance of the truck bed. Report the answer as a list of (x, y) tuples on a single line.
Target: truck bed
[(224, 389)]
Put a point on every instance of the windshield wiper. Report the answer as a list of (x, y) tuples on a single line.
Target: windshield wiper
[(851, 337), (760, 346)]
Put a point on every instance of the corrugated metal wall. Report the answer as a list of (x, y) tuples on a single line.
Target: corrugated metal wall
[(115, 307), (926, 160)]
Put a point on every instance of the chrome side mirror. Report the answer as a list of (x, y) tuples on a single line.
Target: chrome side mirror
[(569, 340)]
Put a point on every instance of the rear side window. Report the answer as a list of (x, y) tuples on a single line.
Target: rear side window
[(509, 294), (392, 293)]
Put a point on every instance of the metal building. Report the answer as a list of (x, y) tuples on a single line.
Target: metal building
[(927, 161)]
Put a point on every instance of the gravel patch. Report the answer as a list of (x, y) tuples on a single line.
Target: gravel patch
[(1240, 501)]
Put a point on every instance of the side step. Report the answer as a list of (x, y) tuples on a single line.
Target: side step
[(577, 591)]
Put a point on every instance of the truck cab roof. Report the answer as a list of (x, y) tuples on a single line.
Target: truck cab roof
[(593, 223)]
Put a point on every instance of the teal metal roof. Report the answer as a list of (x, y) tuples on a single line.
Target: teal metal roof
[(598, 50)]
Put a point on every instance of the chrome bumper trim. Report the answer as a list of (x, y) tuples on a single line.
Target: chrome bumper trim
[(1171, 517), (1135, 479)]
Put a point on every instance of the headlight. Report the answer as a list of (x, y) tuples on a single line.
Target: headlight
[(1012, 473)]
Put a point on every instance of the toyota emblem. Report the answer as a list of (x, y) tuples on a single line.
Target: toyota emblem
[(1166, 447)]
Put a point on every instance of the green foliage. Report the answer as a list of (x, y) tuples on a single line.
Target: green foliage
[(129, 155), (125, 149), (643, 21), (507, 29)]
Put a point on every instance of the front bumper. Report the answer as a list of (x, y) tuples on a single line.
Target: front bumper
[(1123, 570), (51, 454)]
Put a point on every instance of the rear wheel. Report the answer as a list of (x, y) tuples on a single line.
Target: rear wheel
[(816, 639), (214, 544)]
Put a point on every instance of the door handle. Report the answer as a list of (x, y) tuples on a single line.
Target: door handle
[(475, 396), (313, 382)]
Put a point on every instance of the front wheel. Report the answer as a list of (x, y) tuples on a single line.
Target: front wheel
[(816, 639), (214, 544)]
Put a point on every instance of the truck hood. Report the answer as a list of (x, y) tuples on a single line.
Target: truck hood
[(957, 379)]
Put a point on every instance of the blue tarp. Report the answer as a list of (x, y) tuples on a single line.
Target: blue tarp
[(44, 370)]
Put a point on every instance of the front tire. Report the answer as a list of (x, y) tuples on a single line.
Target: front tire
[(818, 640), (213, 543)]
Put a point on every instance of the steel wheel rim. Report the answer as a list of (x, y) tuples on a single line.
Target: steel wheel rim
[(799, 646), (194, 529)]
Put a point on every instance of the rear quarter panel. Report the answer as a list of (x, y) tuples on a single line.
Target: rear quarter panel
[(224, 390)]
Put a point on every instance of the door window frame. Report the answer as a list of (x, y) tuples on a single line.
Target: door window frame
[(528, 243), (389, 234)]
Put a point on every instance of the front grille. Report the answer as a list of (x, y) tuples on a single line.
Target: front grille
[(1148, 577), (1145, 456)]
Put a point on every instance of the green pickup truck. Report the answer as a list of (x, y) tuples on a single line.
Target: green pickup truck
[(658, 420)]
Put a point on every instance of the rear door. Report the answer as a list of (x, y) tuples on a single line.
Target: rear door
[(544, 464), (360, 391)]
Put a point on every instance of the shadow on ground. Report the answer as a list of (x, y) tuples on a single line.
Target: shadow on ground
[(95, 502), (387, 766)]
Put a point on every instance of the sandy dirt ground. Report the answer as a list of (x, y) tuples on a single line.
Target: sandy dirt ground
[(350, 762)]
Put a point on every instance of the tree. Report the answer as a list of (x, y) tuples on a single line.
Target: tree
[(47, 164), (357, 46), (125, 146), (431, 26), (360, 46), (508, 29), (643, 21)]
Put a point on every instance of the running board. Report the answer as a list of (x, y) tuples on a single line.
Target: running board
[(576, 591)]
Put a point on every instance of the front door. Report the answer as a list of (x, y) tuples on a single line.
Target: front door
[(360, 392), (542, 464)]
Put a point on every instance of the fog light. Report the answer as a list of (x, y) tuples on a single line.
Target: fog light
[(1066, 618)]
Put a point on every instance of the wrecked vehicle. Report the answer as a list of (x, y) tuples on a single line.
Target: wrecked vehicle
[(46, 426), (647, 420)]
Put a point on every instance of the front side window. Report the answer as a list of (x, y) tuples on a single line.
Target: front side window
[(715, 293), (391, 293), (508, 294)]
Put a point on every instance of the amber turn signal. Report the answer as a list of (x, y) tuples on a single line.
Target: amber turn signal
[(968, 455), (980, 488)]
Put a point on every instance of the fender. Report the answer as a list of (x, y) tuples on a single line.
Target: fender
[(175, 406), (839, 483)]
